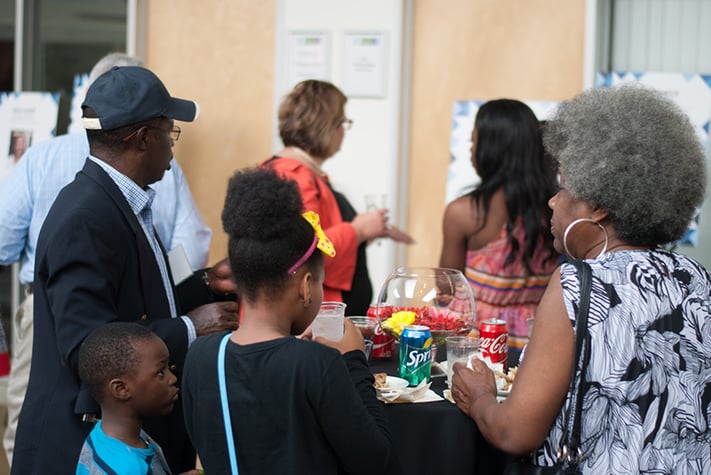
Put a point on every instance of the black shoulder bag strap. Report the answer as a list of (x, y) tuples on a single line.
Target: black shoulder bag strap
[(569, 452)]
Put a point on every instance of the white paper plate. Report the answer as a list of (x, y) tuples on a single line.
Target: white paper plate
[(393, 382), (392, 389), (502, 393)]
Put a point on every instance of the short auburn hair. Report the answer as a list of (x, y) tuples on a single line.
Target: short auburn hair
[(308, 116)]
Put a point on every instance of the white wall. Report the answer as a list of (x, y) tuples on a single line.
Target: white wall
[(370, 160)]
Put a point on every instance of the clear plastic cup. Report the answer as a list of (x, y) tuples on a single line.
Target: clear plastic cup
[(459, 349), (366, 325), (329, 321)]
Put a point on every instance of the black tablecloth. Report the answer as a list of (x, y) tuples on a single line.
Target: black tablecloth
[(436, 437)]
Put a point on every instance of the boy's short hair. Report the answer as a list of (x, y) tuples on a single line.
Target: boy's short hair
[(109, 352)]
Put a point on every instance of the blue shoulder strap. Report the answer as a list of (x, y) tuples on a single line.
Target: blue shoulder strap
[(225, 405)]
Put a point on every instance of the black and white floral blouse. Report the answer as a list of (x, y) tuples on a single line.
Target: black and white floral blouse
[(647, 399)]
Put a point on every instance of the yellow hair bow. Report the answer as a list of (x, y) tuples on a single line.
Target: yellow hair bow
[(320, 240), (324, 244)]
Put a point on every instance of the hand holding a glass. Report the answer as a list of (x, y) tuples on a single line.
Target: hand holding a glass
[(331, 329), (371, 225), (329, 321), (459, 349), (378, 203)]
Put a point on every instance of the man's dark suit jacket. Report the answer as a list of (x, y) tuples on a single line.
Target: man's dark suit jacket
[(94, 265)]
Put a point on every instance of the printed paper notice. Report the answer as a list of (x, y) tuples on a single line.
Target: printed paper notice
[(364, 64), (307, 57)]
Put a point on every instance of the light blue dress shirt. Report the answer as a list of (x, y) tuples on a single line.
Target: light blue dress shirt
[(29, 190)]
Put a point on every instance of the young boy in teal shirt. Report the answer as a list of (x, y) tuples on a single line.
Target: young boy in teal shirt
[(125, 367)]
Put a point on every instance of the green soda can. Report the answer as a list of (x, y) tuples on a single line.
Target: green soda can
[(415, 354)]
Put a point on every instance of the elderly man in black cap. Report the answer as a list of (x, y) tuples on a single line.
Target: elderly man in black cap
[(99, 260)]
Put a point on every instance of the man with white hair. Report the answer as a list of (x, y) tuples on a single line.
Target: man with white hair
[(25, 198)]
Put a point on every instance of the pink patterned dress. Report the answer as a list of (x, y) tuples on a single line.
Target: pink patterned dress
[(507, 292)]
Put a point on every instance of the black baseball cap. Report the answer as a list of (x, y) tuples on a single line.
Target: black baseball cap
[(130, 94)]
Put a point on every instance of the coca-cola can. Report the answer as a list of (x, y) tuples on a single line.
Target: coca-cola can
[(382, 342), (493, 341)]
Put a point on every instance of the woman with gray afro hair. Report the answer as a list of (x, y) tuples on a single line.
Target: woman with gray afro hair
[(637, 157), (632, 174)]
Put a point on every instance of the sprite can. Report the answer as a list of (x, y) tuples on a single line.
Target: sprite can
[(415, 346)]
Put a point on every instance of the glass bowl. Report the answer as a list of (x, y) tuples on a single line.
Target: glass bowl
[(438, 298)]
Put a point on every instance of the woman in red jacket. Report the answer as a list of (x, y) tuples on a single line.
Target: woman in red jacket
[(312, 124)]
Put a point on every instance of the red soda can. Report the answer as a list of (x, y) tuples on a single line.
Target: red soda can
[(493, 341), (382, 342)]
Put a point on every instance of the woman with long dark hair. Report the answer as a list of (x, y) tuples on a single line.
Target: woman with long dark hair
[(498, 234)]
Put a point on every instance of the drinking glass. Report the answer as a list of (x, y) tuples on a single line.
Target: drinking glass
[(375, 201), (367, 326), (459, 349), (329, 321)]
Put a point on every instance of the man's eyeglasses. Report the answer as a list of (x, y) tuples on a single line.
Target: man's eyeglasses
[(347, 124), (174, 132)]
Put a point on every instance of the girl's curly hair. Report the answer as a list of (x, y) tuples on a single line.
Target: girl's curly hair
[(267, 234)]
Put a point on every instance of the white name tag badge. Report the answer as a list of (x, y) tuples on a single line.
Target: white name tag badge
[(179, 264)]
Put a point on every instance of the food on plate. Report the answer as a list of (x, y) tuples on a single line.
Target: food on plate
[(504, 381), (381, 380)]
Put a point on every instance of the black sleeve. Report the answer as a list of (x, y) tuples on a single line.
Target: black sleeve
[(349, 401), (193, 292), (363, 381)]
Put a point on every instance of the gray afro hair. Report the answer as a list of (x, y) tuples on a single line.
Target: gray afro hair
[(633, 153)]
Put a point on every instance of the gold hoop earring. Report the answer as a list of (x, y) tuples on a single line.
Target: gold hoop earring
[(583, 220)]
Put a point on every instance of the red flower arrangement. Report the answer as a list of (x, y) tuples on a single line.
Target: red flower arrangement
[(442, 323)]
